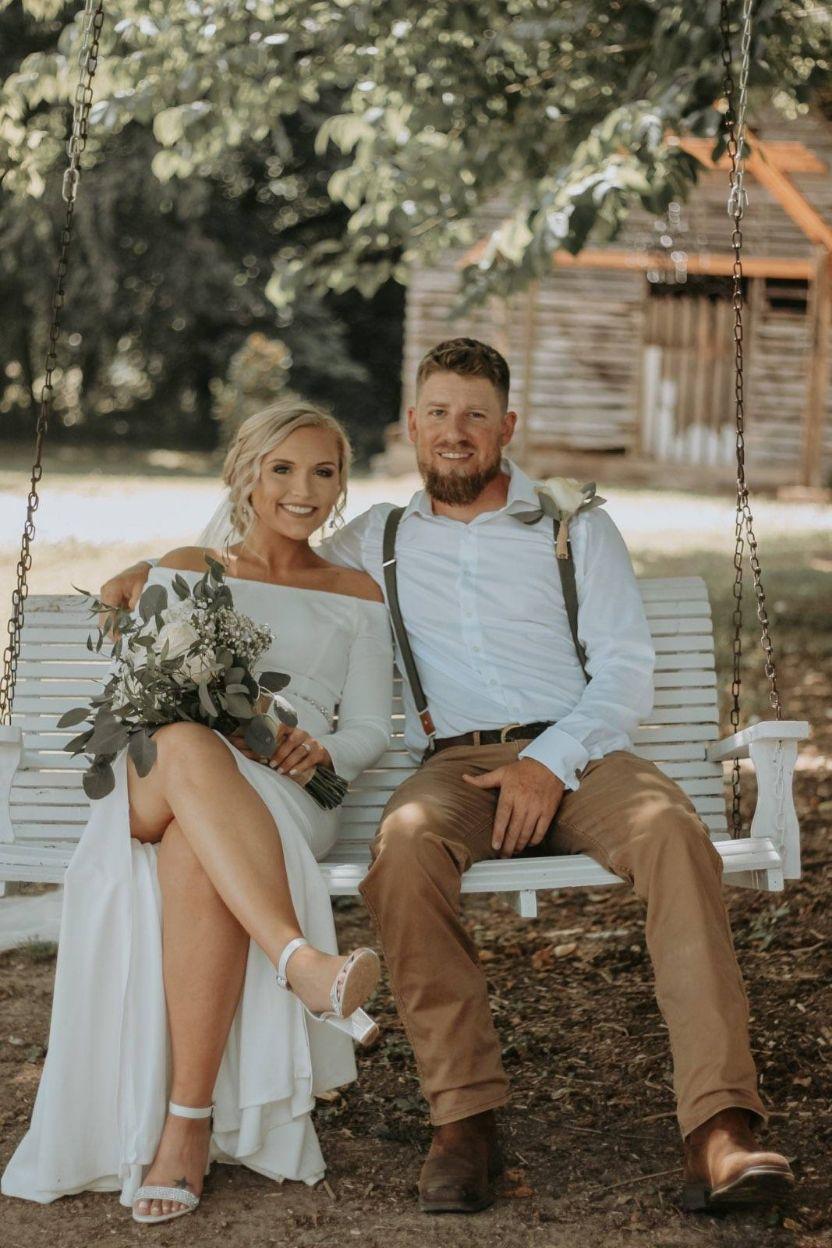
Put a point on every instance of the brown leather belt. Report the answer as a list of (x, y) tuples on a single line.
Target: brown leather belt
[(490, 736)]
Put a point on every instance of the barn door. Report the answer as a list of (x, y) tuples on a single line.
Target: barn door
[(687, 388)]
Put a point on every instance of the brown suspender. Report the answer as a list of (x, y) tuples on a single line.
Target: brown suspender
[(566, 568)]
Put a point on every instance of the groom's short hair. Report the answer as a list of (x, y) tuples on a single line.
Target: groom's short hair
[(468, 357)]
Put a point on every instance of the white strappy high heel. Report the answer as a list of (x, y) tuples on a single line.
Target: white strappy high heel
[(351, 987), (180, 1194)]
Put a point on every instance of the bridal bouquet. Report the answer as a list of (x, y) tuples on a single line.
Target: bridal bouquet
[(192, 660)]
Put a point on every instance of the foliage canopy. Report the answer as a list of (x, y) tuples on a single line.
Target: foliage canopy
[(420, 115)]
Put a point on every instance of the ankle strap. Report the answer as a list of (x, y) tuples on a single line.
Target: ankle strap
[(188, 1111), (289, 949)]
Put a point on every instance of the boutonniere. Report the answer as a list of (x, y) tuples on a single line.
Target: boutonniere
[(561, 498)]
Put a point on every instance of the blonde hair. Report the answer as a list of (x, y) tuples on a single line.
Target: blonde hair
[(260, 434)]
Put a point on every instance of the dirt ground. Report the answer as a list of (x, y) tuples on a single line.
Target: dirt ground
[(590, 1136)]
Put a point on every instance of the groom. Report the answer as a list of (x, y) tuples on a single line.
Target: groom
[(525, 689)]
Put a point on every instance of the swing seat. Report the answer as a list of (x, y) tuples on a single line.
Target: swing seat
[(43, 807)]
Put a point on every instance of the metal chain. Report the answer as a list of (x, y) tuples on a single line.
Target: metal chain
[(93, 18), (737, 203)]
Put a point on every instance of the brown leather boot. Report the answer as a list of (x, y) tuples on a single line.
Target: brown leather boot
[(464, 1160), (723, 1169)]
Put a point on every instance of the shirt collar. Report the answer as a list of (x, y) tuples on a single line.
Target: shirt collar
[(521, 494)]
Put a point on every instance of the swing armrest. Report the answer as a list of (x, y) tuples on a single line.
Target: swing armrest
[(772, 747), (11, 749), (737, 745)]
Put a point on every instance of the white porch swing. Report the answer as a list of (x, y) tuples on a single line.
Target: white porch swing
[(48, 667)]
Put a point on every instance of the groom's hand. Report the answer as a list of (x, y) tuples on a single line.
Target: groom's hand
[(529, 798)]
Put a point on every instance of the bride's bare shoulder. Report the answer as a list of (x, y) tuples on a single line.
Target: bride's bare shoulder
[(189, 558), (355, 584)]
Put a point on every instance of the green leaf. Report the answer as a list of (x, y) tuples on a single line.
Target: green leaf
[(285, 711), (217, 571), (153, 601), (206, 702), (274, 681), (181, 587), (239, 705), (142, 750), (78, 744), (98, 781), (108, 735), (76, 716), (260, 736)]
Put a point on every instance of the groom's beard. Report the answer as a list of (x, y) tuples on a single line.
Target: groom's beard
[(458, 488)]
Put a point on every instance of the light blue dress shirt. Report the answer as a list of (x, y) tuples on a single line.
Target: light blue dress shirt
[(484, 611)]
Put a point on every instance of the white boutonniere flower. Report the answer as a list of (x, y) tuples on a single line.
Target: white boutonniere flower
[(562, 498)]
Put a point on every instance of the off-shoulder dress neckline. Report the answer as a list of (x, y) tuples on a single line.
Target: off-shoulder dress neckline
[(302, 589)]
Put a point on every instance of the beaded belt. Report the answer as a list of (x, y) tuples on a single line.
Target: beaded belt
[(490, 736), (304, 697)]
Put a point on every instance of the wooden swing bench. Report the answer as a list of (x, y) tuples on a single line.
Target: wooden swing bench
[(43, 807)]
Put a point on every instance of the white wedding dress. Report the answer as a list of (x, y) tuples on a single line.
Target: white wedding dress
[(103, 1095)]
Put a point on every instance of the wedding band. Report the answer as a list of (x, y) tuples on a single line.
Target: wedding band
[(306, 745)]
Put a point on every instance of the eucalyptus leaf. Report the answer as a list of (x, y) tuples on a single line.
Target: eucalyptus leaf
[(206, 702), (273, 681), (76, 716), (181, 587), (78, 744), (153, 601), (217, 571), (239, 705), (142, 750), (99, 781), (285, 711), (260, 736), (108, 740)]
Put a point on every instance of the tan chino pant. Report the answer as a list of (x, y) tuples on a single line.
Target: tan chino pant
[(630, 818)]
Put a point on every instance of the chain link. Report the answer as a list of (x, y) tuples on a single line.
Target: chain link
[(735, 131), (93, 18)]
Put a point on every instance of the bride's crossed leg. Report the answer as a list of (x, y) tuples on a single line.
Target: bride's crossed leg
[(223, 879)]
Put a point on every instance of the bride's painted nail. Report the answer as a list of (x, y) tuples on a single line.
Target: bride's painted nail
[(293, 772)]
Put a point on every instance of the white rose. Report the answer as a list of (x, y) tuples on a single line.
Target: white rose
[(200, 666), (179, 636), (179, 611), (567, 494)]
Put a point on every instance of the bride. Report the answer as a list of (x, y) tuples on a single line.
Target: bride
[(170, 1044)]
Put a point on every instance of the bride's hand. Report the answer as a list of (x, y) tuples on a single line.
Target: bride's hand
[(298, 754)]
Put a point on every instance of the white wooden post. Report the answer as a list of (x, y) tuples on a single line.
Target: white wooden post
[(525, 902)]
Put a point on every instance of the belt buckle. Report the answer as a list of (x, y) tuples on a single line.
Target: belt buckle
[(503, 731)]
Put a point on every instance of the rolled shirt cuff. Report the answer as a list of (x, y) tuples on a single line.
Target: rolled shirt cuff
[(563, 755)]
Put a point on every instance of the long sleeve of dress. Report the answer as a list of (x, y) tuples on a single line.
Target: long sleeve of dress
[(365, 707)]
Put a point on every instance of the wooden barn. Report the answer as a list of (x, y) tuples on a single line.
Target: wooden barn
[(628, 348)]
